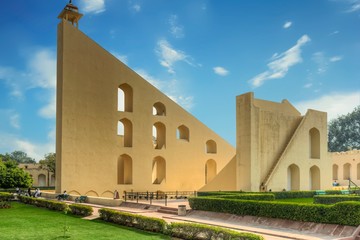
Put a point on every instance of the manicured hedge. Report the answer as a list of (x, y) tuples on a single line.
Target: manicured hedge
[(6, 196), (81, 210), (278, 195), (5, 205), (249, 196), (332, 199), (39, 202), (203, 194), (292, 211), (133, 220), (200, 231)]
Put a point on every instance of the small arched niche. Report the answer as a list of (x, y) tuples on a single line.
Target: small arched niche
[(124, 169), (125, 98), (158, 170), (159, 135), (159, 109), (210, 170), (125, 131), (293, 172), (211, 146), (314, 135), (183, 133)]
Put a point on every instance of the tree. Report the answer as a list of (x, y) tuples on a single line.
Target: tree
[(344, 132), (12, 176), (21, 157), (49, 162)]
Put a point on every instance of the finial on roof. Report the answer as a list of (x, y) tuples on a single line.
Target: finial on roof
[(71, 13)]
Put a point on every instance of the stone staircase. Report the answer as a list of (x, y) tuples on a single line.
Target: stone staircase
[(168, 210)]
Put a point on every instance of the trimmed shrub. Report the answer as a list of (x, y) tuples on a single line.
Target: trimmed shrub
[(332, 199), (294, 194), (6, 196), (249, 196), (81, 210), (200, 231), (133, 220), (291, 211), (52, 205), (204, 194)]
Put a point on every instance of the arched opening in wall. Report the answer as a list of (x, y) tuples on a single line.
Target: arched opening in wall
[(158, 170), (314, 136), (335, 172), (210, 170), (125, 131), (125, 98), (52, 180), (159, 135), (293, 173), (183, 133), (358, 171), (315, 178), (159, 109), (124, 169), (347, 171), (41, 180), (211, 146)]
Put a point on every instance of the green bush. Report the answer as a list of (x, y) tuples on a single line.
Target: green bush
[(204, 194), (332, 199), (4, 205), (293, 194), (52, 205), (133, 220), (199, 231), (291, 211), (6, 196), (249, 196), (81, 210)]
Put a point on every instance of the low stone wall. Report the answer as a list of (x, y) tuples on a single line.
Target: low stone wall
[(93, 200)]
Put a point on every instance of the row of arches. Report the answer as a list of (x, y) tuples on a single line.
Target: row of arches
[(158, 174), (293, 178), (346, 171), (125, 101), (42, 181), (125, 130)]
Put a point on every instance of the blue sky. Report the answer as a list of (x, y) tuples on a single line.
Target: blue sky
[(201, 53)]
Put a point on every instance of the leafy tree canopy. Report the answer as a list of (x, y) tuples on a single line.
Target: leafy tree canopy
[(344, 132), (49, 162), (18, 156), (11, 176)]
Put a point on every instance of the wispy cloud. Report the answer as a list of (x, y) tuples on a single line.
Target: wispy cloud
[(15, 120), (280, 64), (334, 33), (171, 88), (122, 58), (354, 5), (92, 6), (335, 104), (220, 71), (336, 58), (134, 6), (176, 29), (308, 85), (287, 24), (169, 56)]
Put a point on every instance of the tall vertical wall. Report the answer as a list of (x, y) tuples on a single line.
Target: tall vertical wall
[(87, 145)]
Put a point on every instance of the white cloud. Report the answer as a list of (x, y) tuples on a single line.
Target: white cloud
[(122, 58), (15, 121), (334, 33), (287, 24), (336, 58), (220, 71), (354, 6), (171, 88), (308, 85), (42, 69), (136, 7), (321, 61), (175, 28), (49, 110), (281, 63), (92, 6), (169, 56), (335, 104)]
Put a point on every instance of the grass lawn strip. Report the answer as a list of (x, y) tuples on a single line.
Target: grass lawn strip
[(30, 222)]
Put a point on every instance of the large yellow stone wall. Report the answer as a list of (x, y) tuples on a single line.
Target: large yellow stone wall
[(346, 165), (273, 136), (88, 147)]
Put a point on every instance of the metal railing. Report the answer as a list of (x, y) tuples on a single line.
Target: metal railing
[(158, 195), (353, 187)]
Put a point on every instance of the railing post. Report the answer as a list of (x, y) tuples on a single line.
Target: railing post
[(151, 196), (137, 197), (176, 194), (125, 195), (165, 199), (147, 195)]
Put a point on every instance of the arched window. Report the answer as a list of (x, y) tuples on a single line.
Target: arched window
[(293, 178), (159, 109), (210, 170), (158, 170), (41, 180), (125, 98), (314, 135), (347, 171), (125, 131), (211, 146), (183, 133), (335, 172), (315, 178), (124, 169), (159, 135), (358, 171), (52, 180)]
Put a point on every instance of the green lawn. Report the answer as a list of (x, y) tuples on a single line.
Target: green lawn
[(297, 200), (29, 222)]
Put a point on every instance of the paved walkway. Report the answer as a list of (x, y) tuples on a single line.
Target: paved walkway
[(215, 219)]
